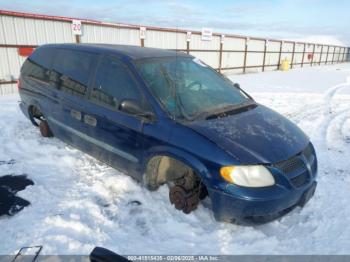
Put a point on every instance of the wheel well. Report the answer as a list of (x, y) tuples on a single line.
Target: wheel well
[(164, 169), (34, 114)]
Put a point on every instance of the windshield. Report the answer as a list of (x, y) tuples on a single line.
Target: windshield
[(186, 87)]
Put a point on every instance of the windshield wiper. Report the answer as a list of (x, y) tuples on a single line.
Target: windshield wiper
[(225, 111)]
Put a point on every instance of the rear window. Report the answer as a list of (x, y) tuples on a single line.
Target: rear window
[(43, 56)]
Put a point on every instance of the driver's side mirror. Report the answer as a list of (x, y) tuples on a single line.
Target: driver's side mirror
[(132, 107)]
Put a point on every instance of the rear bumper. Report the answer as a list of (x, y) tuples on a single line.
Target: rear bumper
[(266, 205), (24, 108)]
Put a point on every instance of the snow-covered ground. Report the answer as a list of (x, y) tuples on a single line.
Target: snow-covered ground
[(78, 202)]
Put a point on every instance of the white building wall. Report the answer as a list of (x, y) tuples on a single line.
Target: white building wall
[(254, 56), (272, 55), (298, 55), (166, 40), (29, 31), (110, 35)]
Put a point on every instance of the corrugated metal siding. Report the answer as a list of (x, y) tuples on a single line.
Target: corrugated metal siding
[(298, 56), (197, 43), (255, 57), (308, 50), (287, 49), (337, 57), (10, 63), (8, 89), (232, 59), (166, 40), (210, 58), (256, 45), (28, 31), (317, 54), (234, 43), (324, 54), (110, 35), (272, 59), (330, 54)]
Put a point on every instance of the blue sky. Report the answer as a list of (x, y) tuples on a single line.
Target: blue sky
[(293, 19)]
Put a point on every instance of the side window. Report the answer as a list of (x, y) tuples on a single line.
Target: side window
[(114, 83), (71, 71), (38, 65)]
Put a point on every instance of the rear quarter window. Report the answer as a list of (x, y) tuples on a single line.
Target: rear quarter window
[(38, 65)]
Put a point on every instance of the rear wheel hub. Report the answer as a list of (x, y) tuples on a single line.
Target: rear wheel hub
[(45, 129)]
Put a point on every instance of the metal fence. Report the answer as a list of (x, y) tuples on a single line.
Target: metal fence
[(226, 53)]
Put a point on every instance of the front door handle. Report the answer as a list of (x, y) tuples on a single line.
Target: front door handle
[(90, 120)]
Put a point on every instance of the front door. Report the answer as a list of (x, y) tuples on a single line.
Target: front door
[(117, 136)]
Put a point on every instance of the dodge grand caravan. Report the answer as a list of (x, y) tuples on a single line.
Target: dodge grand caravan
[(165, 117)]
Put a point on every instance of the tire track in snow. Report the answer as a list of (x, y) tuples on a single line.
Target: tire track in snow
[(345, 130), (327, 133), (334, 136), (305, 112), (329, 115)]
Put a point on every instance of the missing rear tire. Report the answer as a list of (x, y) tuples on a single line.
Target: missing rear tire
[(34, 115)]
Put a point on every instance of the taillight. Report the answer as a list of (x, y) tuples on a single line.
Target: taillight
[(19, 84)]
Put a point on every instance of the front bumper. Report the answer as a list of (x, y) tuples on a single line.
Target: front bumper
[(266, 205), (295, 180)]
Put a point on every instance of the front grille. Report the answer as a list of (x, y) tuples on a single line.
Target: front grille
[(314, 167), (295, 168), (291, 165), (310, 155), (300, 180), (308, 152)]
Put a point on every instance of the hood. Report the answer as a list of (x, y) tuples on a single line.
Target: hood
[(259, 135)]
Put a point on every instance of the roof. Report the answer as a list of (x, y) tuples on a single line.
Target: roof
[(133, 52)]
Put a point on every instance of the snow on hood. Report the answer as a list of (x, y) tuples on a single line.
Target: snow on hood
[(259, 135)]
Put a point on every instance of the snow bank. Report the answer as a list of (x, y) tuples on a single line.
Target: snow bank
[(78, 203)]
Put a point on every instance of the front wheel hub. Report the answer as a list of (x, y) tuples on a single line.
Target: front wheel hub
[(183, 200)]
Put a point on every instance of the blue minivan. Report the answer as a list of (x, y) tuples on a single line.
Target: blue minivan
[(165, 117)]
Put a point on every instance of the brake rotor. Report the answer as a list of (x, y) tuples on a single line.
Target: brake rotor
[(183, 200), (192, 202), (177, 195), (45, 129)]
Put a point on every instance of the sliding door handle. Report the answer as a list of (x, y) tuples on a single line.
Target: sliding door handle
[(90, 120), (75, 114)]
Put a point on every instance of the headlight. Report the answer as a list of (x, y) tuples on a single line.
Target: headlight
[(248, 176)]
